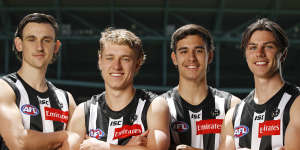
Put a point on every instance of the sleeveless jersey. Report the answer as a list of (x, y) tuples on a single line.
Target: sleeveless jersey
[(117, 127), (262, 127), (44, 112), (197, 125)]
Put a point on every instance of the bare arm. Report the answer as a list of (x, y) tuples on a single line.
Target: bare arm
[(72, 106), (234, 101), (16, 137), (76, 129), (293, 129), (227, 138)]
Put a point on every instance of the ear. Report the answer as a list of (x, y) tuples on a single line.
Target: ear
[(18, 44), (57, 46), (174, 59), (284, 55), (210, 56)]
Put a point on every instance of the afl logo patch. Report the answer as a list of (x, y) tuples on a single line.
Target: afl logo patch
[(240, 131), (29, 110), (96, 133), (180, 126)]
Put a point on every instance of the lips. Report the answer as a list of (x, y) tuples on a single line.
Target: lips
[(261, 63)]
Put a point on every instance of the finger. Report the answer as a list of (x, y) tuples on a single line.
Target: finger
[(145, 133)]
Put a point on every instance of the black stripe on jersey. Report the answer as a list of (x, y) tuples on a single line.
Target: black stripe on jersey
[(247, 114), (55, 104), (208, 139), (182, 115)]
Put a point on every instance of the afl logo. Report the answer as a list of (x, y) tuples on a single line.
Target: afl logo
[(180, 126), (96, 133), (240, 131), (29, 110)]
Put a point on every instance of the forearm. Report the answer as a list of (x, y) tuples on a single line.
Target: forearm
[(34, 140)]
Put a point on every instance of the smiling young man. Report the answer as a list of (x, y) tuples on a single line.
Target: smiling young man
[(32, 108), (268, 118), (122, 117), (197, 110)]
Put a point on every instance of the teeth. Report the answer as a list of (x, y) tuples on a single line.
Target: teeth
[(191, 67), (261, 63), (115, 74)]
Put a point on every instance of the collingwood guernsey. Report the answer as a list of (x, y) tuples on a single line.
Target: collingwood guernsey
[(117, 127), (198, 126), (44, 112), (262, 127)]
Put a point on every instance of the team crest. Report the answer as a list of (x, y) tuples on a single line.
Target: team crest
[(215, 112), (275, 112), (30, 110), (241, 131), (96, 133), (180, 126)]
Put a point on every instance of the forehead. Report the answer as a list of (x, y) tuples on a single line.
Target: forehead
[(261, 36), (191, 40), (117, 49), (38, 29)]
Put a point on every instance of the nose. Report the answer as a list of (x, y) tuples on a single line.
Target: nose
[(191, 56), (117, 64), (260, 52), (40, 45)]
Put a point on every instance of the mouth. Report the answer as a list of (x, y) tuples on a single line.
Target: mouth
[(116, 74), (192, 66), (260, 63)]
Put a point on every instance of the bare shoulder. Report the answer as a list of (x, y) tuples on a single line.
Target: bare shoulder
[(159, 104), (295, 110), (234, 101), (7, 95)]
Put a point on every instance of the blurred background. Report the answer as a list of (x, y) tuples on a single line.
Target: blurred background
[(81, 22)]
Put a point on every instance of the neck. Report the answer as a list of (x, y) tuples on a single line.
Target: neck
[(34, 77), (119, 99), (266, 88), (193, 92)]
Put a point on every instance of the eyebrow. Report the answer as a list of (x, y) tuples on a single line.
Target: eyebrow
[(32, 36), (268, 42)]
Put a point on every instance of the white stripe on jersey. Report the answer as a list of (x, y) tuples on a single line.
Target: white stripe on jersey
[(277, 140), (172, 108), (257, 119), (111, 130), (93, 116), (47, 124), (237, 122), (138, 113), (62, 100), (24, 99), (219, 102), (197, 140)]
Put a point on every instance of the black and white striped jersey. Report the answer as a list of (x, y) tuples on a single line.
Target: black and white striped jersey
[(262, 127), (197, 125), (117, 127), (45, 112)]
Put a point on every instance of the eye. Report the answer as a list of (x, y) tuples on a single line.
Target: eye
[(127, 59), (108, 58), (183, 51), (269, 47), (252, 47), (199, 50)]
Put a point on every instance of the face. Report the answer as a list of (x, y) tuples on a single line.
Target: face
[(192, 58), (263, 55), (118, 65), (37, 45)]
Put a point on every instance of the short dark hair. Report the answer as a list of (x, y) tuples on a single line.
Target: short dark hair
[(122, 37), (37, 18), (192, 29), (265, 24)]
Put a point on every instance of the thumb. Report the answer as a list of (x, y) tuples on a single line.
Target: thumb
[(145, 133)]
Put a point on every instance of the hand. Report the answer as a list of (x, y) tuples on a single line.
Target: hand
[(185, 147), (93, 144), (140, 140)]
